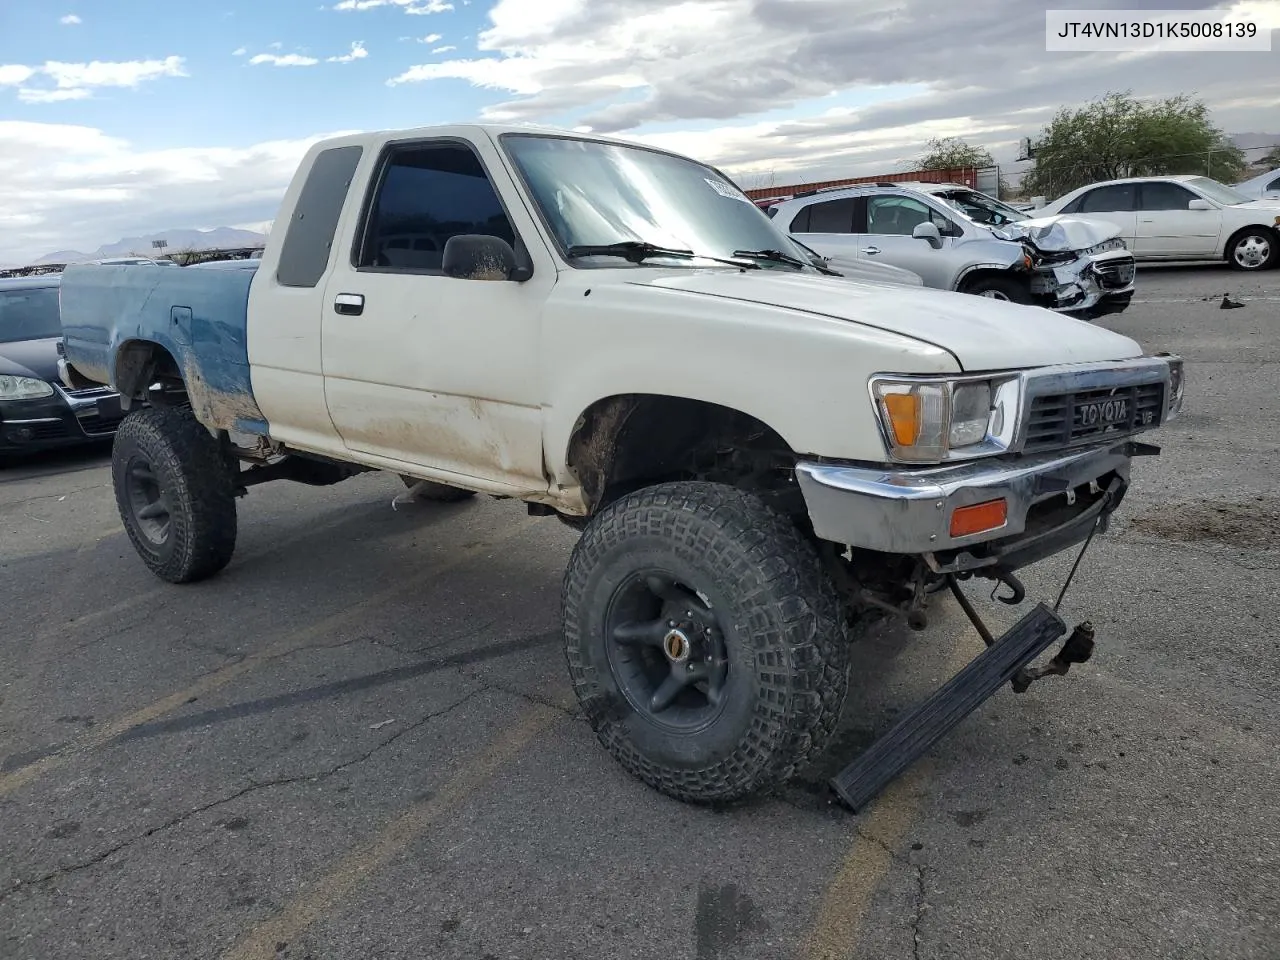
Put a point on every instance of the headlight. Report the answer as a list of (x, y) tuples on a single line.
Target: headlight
[(23, 388), (928, 421)]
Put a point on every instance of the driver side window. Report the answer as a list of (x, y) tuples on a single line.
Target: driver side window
[(427, 195), (898, 216)]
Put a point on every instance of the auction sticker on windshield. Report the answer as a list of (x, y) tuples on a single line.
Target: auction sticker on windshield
[(722, 188)]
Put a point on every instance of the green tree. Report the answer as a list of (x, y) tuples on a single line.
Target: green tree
[(1272, 159), (952, 153), (1119, 135)]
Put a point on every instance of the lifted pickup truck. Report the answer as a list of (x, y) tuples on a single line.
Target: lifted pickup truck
[(760, 457)]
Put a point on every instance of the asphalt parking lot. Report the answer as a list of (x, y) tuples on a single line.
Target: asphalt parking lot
[(358, 742)]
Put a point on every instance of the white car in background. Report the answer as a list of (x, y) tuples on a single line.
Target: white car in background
[(1265, 186), (1181, 217)]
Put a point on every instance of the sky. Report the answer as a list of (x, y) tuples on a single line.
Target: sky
[(128, 117)]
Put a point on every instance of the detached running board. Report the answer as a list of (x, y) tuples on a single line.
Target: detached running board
[(913, 735)]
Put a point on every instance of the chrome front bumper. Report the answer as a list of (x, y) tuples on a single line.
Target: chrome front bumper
[(908, 511)]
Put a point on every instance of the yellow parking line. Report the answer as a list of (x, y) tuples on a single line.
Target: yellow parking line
[(289, 643), (323, 894), (880, 828)]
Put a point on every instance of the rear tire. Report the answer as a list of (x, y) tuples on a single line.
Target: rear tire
[(436, 492), (999, 288), (759, 623), (175, 493), (1252, 249)]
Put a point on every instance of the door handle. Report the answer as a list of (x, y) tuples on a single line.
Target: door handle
[(871, 250), (349, 304)]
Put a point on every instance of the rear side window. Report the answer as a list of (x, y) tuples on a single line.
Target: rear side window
[(1273, 185), (428, 194), (832, 216), (30, 314), (305, 253)]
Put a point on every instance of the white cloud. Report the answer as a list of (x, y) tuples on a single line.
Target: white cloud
[(432, 38), (357, 52), (239, 52), (444, 49), (276, 46), (100, 73), (283, 60), (69, 20), (74, 187), (713, 61), (408, 6), (77, 81), (13, 74), (34, 95)]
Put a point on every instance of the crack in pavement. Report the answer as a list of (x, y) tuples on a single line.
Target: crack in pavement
[(9, 505), (252, 787), (921, 907)]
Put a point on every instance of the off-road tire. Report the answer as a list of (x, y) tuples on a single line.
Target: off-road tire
[(436, 492), (1008, 288), (195, 480), (1269, 237), (786, 635)]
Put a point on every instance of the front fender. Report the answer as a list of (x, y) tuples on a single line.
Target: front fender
[(804, 376)]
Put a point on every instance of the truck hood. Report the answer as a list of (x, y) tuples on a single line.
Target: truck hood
[(1059, 233), (982, 334)]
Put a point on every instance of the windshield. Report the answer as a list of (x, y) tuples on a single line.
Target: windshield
[(1218, 192), (983, 209), (30, 314), (594, 194)]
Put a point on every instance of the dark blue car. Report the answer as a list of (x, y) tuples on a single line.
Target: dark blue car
[(36, 411)]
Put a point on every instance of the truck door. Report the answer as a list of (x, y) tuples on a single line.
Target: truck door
[(421, 369)]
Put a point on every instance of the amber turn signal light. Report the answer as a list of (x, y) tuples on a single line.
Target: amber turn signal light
[(904, 417), (979, 518)]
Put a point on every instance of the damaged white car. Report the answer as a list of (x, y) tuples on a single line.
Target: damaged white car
[(956, 238)]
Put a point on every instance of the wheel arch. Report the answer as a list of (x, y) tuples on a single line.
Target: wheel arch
[(970, 275), (625, 441), (1273, 230)]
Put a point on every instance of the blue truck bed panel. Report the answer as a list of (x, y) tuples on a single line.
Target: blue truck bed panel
[(200, 317)]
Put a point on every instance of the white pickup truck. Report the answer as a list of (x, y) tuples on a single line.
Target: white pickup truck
[(760, 456)]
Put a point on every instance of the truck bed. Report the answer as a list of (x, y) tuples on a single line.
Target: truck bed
[(199, 317)]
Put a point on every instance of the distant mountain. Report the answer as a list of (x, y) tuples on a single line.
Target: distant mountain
[(1255, 141), (177, 240)]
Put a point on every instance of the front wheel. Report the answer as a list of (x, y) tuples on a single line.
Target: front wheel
[(704, 640), (1254, 248), (175, 493), (999, 288)]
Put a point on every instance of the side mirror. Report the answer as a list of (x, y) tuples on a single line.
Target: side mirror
[(478, 257), (928, 231), (1198, 204)]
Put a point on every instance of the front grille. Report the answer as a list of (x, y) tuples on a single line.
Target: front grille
[(54, 430), (94, 424), (86, 392), (1115, 273), (1070, 419)]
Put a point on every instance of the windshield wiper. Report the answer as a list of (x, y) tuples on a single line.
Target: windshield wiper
[(637, 251), (772, 256)]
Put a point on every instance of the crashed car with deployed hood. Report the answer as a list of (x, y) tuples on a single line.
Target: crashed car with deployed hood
[(960, 239)]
